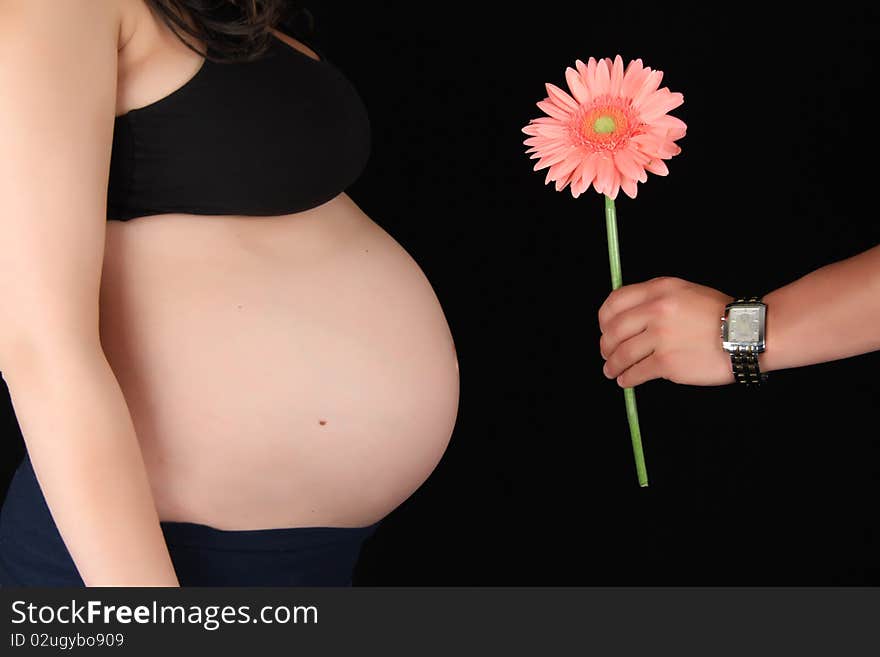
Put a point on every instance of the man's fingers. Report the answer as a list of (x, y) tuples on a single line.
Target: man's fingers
[(628, 353), (645, 370), (627, 324), (630, 296)]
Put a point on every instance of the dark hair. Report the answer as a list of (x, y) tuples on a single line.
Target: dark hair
[(233, 30)]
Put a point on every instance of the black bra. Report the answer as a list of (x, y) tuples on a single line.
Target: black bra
[(280, 134)]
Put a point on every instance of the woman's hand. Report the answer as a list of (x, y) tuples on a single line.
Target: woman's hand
[(664, 328)]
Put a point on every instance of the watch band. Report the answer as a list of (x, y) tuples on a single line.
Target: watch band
[(745, 361), (745, 367)]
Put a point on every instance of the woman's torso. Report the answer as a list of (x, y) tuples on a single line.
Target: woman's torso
[(292, 370)]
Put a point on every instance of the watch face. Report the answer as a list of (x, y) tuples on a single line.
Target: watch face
[(743, 325)]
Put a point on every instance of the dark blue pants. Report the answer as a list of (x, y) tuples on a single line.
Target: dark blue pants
[(32, 552)]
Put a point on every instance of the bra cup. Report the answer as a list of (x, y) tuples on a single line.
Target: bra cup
[(277, 135)]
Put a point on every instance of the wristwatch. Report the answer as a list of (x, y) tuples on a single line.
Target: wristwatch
[(742, 336)]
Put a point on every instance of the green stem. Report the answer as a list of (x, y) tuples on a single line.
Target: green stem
[(629, 394)]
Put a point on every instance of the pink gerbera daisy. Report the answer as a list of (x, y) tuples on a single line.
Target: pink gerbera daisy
[(611, 129)]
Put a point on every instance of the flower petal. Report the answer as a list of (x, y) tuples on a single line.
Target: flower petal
[(647, 143), (674, 127), (603, 78), (553, 131), (657, 166), (615, 185), (627, 164), (668, 149), (616, 76), (589, 167), (649, 86), (629, 186), (560, 97), (588, 73), (553, 109), (633, 78), (563, 181), (541, 139), (530, 129), (547, 119), (576, 84), (586, 172), (641, 158), (542, 143), (568, 165), (551, 149), (604, 174), (552, 158), (658, 104), (534, 126)]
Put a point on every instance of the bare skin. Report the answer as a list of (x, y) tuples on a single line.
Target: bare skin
[(280, 372), (669, 328), (242, 372)]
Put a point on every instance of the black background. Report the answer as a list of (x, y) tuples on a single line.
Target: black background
[(538, 486)]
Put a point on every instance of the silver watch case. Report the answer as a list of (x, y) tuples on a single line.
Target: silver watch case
[(755, 341)]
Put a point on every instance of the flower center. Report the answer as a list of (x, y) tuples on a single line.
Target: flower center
[(604, 124)]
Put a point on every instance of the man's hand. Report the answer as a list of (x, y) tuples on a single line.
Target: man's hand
[(664, 328)]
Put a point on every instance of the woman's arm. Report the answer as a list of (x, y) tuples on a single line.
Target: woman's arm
[(57, 106), (669, 328)]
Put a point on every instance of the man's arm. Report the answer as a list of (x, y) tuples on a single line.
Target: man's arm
[(831, 313), (670, 328)]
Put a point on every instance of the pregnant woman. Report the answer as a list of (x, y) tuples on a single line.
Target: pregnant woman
[(225, 373)]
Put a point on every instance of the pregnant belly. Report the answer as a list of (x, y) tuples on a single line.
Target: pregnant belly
[(282, 371)]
